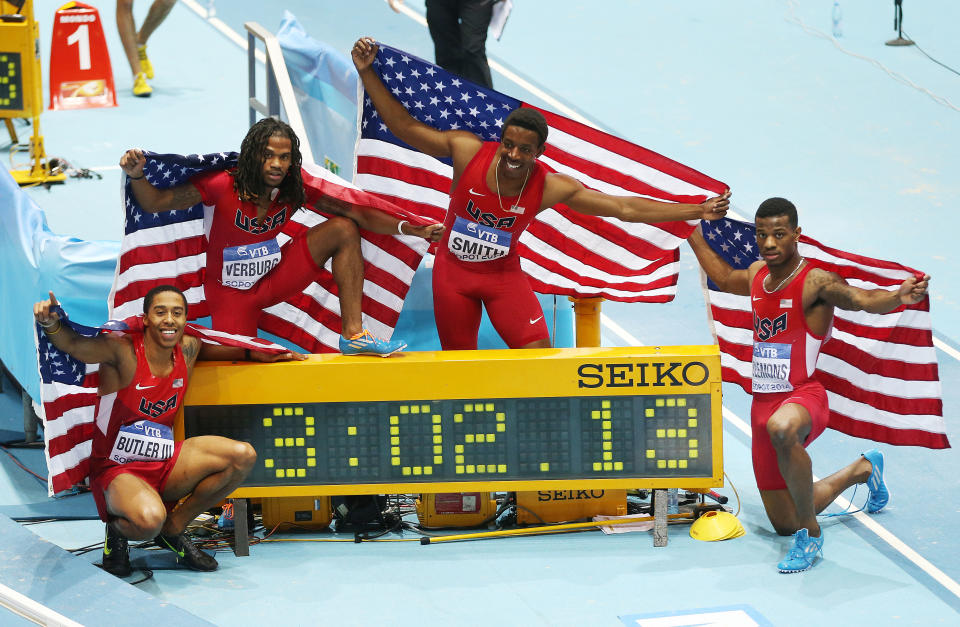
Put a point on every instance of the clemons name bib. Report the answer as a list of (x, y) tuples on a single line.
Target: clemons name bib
[(771, 368)]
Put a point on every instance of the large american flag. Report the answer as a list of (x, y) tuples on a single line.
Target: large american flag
[(68, 395), (170, 248), (880, 370), (562, 251)]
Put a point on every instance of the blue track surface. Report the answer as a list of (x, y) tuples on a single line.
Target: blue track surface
[(746, 91)]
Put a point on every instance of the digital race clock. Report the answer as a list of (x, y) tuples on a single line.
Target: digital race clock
[(469, 420)]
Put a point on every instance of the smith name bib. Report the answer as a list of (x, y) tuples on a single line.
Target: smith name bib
[(771, 368), (243, 266), (470, 241), (143, 441)]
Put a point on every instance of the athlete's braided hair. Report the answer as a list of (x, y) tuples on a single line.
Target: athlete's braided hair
[(248, 178)]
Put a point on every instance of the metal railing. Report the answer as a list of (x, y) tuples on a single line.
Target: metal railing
[(279, 89)]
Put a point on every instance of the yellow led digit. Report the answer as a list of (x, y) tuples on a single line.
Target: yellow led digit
[(285, 428), (484, 447)]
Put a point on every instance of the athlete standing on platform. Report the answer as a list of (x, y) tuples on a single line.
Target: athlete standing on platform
[(251, 204), (137, 472), (793, 303), (496, 191)]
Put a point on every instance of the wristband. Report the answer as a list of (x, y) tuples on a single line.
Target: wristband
[(60, 326), (47, 326), (136, 178), (400, 227)]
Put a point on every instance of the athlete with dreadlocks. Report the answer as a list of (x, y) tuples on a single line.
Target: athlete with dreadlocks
[(251, 204)]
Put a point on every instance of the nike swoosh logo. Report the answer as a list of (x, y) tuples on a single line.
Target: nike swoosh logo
[(475, 193), (536, 320), (145, 387), (107, 551), (755, 299)]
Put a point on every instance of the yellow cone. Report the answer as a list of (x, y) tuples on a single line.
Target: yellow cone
[(713, 526)]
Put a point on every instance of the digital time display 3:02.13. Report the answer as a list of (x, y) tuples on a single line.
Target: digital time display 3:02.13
[(467, 439)]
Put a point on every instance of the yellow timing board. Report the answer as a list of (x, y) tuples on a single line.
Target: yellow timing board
[(21, 94), (455, 421)]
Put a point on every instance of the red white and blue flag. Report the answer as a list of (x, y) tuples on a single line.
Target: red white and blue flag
[(68, 395), (562, 252), (169, 247), (880, 370)]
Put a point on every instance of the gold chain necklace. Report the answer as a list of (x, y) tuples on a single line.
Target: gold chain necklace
[(789, 276), (496, 175)]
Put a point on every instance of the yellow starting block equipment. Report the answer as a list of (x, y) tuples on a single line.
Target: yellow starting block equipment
[(469, 421)]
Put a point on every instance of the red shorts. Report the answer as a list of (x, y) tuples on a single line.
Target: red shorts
[(812, 397), (513, 308), (239, 311), (154, 473)]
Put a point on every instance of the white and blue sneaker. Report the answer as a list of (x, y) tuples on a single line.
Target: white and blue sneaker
[(879, 495), (364, 343), (803, 553)]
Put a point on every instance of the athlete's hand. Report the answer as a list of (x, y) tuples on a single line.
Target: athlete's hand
[(913, 290), (716, 207), (430, 232), (132, 163), (364, 52), (42, 313), (269, 358)]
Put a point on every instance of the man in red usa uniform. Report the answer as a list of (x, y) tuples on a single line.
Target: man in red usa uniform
[(138, 472), (496, 191), (246, 269), (793, 304)]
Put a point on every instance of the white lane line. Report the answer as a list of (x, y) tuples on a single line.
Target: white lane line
[(31, 610), (225, 30), (865, 519)]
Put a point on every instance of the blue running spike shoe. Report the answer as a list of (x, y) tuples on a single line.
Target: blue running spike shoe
[(364, 343), (879, 495), (803, 553)]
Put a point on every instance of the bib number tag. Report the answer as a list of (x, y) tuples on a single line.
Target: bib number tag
[(143, 441), (474, 242), (243, 266), (771, 368)]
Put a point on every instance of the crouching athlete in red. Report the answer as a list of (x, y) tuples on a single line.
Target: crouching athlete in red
[(793, 304), (137, 472), (250, 206), (496, 191)]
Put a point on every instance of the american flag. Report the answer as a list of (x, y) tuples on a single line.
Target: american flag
[(563, 252), (68, 395), (170, 248), (880, 370)]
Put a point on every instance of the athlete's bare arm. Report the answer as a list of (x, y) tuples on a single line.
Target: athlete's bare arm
[(726, 278), (212, 352), (460, 145), (832, 289), (115, 354), (377, 221), (560, 188), (155, 200)]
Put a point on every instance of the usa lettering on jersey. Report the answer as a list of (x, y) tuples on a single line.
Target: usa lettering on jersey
[(250, 225), (154, 409), (767, 328)]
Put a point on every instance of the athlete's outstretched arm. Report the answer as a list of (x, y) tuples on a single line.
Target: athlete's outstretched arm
[(460, 145), (213, 352), (99, 349), (726, 278), (563, 189), (835, 291), (377, 221), (155, 200)]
